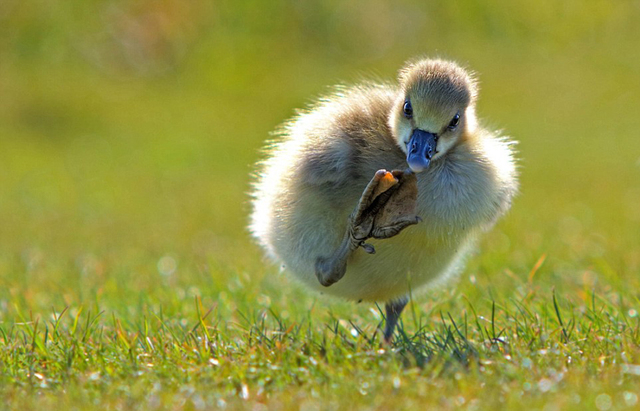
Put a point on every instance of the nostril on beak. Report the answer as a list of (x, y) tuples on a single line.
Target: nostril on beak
[(414, 147)]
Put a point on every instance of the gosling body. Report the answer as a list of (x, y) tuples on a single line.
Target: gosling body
[(315, 173)]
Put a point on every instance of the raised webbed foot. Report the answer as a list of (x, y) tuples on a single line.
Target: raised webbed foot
[(399, 209), (386, 207), (372, 200)]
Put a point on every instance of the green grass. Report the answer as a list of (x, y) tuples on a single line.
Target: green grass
[(127, 278)]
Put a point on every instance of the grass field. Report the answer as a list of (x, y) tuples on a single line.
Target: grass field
[(128, 131)]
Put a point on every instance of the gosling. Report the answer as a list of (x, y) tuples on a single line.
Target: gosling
[(324, 181)]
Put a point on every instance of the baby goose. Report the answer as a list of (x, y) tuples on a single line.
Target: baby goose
[(323, 188)]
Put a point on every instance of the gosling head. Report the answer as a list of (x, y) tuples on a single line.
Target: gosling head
[(435, 110)]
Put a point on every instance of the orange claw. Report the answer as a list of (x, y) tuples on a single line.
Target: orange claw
[(389, 178), (387, 181)]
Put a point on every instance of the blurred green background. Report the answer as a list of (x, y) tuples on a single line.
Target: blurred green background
[(128, 130)]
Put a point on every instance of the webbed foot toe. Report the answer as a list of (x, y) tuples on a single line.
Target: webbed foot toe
[(395, 228)]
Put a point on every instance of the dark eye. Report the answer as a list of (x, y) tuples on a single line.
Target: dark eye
[(407, 109), (454, 122)]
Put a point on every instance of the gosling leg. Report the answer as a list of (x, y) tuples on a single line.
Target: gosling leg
[(393, 310), (359, 226)]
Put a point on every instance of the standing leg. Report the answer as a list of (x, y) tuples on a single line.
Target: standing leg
[(393, 310)]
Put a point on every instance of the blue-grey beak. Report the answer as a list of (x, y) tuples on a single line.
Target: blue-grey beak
[(420, 149)]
